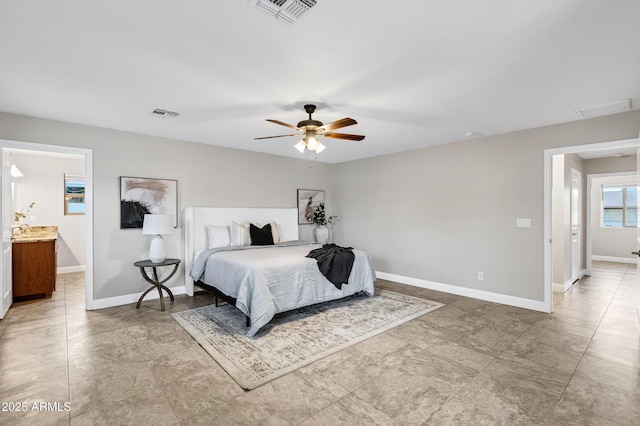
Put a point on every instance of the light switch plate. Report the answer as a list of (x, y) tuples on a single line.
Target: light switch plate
[(523, 223)]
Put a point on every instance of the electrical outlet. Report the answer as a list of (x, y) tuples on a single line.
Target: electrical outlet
[(480, 276)]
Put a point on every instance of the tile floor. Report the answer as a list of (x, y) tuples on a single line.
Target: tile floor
[(471, 362)]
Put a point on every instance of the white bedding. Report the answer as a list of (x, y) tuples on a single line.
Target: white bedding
[(270, 280)]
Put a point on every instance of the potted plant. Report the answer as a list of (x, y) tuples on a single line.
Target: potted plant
[(321, 220), (22, 214)]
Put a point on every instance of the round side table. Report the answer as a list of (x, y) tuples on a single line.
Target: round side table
[(154, 281)]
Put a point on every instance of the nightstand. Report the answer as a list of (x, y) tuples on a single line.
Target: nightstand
[(142, 264)]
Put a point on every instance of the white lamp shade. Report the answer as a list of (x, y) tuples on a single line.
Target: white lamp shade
[(157, 224), (300, 146), (312, 143)]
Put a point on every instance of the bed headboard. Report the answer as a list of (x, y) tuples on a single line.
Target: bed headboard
[(195, 219)]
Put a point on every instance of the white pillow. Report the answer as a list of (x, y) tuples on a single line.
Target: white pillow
[(217, 236), (276, 233), (240, 235)]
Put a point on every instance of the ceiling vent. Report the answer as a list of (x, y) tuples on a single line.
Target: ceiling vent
[(284, 10), (164, 113), (599, 110)]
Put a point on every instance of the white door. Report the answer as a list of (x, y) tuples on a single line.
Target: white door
[(5, 223), (576, 224)]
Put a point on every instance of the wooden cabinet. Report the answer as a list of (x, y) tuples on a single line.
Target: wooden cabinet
[(34, 267)]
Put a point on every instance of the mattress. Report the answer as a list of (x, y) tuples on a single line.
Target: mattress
[(266, 280)]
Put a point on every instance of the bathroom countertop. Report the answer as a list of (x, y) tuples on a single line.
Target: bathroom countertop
[(30, 234)]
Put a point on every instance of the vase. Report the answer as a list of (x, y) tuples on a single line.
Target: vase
[(15, 229), (322, 234)]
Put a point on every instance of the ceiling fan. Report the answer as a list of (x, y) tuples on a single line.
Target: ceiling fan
[(311, 129)]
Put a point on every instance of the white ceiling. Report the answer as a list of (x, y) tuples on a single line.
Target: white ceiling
[(614, 152), (413, 73)]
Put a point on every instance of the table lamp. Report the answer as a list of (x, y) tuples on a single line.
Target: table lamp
[(157, 224)]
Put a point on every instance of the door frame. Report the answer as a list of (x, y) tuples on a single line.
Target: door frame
[(6, 275), (548, 169), (88, 173)]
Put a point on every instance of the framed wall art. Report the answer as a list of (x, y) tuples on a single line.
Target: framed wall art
[(308, 200), (140, 196)]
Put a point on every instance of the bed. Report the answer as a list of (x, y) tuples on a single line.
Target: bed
[(261, 281)]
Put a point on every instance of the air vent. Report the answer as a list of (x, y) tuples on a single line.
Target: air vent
[(597, 111), (164, 113), (284, 10)]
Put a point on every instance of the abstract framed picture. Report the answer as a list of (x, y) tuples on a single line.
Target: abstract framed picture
[(140, 196), (308, 200)]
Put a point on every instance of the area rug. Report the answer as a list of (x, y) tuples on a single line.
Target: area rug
[(296, 338)]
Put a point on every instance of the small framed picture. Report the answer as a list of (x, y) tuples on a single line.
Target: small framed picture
[(308, 200), (140, 196)]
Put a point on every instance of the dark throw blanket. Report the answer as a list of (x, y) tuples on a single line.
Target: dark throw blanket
[(334, 262)]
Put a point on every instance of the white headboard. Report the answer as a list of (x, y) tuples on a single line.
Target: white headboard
[(195, 219)]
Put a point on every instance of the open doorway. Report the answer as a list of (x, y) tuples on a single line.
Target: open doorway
[(558, 251), (613, 217), (76, 255)]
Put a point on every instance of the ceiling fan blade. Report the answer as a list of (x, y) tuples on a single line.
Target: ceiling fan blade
[(278, 136), (291, 126), (343, 136), (340, 123)]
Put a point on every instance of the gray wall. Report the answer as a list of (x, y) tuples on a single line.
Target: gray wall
[(440, 214), (444, 213), (611, 165), (207, 176)]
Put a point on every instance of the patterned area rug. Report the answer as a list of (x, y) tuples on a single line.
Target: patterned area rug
[(296, 338)]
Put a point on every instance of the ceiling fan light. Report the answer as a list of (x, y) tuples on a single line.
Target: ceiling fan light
[(312, 143), (320, 147), (301, 145)]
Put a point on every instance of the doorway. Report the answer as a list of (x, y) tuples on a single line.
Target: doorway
[(87, 155), (600, 149), (576, 225)]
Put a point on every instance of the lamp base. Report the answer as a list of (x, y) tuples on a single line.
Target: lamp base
[(158, 249)]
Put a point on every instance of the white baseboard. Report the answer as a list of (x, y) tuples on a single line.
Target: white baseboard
[(613, 259), (70, 269), (535, 305), (562, 288), (110, 302), (519, 302)]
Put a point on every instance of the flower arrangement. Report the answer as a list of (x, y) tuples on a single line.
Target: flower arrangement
[(320, 217), (21, 214)]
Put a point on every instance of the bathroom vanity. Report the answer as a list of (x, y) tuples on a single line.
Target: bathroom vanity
[(35, 261)]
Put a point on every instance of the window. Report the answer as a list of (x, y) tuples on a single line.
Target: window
[(619, 206), (73, 194)]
